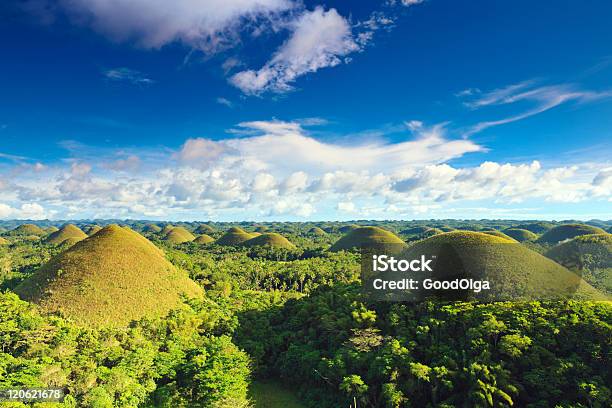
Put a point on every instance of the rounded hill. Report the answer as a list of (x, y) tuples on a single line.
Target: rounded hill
[(234, 236), (539, 227), (28, 230), (68, 231), (317, 232), (51, 229), (204, 239), (167, 228), (500, 234), (367, 237), (92, 229), (204, 229), (178, 235), (514, 271), (348, 228), (113, 277), (270, 239), (151, 228), (521, 235), (568, 231)]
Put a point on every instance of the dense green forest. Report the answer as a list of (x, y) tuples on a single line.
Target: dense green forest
[(295, 315)]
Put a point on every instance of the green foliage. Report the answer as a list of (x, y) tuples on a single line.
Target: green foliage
[(568, 231)]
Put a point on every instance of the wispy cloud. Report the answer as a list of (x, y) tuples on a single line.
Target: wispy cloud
[(224, 101), (543, 98), (124, 74)]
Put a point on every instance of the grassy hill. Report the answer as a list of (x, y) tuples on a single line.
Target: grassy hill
[(521, 235), (366, 237), (204, 229), (499, 234), (178, 235), (317, 232), (51, 229), (68, 231), (92, 229), (27, 230), (151, 228), (271, 239), (3, 241), (348, 228), (568, 231), (591, 255), (204, 239), (167, 228), (514, 271), (113, 277), (538, 227), (234, 236)]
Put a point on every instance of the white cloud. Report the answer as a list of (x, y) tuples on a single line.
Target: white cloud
[(27, 211), (282, 172), (224, 101), (320, 39), (543, 97), (208, 25)]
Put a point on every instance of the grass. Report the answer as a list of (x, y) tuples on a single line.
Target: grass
[(234, 236), (27, 230), (569, 231), (521, 235), (497, 233), (111, 278), (273, 395), (204, 239), (366, 237), (67, 232), (539, 227), (271, 239), (515, 272), (204, 229), (151, 228), (92, 229), (3, 241), (317, 231), (178, 235)]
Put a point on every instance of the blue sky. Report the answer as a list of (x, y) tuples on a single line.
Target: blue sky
[(280, 109)]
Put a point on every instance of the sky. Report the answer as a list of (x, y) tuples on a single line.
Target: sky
[(292, 110)]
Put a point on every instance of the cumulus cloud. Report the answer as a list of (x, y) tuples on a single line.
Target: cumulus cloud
[(27, 211), (320, 39), (280, 171)]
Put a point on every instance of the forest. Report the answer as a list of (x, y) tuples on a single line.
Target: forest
[(282, 320)]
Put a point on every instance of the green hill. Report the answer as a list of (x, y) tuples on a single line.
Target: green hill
[(68, 231), (204, 239), (234, 236), (500, 234), (521, 235), (167, 228), (348, 228), (51, 229), (92, 229), (261, 228), (178, 235), (568, 231), (151, 228), (317, 232), (514, 271), (415, 230), (590, 255), (366, 237), (204, 229), (271, 239), (539, 227), (113, 277), (27, 229)]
